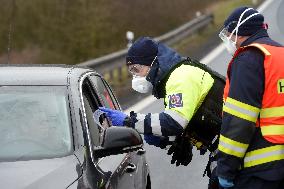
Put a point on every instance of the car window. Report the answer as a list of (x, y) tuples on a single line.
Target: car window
[(114, 100), (92, 126), (104, 94), (34, 122), (91, 104)]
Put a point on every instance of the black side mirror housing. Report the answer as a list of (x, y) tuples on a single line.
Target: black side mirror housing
[(118, 140)]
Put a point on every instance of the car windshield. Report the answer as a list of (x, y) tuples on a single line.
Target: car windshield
[(34, 122)]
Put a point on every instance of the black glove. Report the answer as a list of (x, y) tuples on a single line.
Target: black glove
[(181, 151)]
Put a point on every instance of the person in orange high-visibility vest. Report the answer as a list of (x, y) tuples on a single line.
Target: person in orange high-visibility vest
[(251, 143)]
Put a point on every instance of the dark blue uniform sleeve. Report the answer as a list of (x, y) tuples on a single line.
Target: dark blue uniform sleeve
[(246, 88), (160, 124)]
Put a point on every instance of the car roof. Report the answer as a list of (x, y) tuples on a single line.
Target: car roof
[(38, 74)]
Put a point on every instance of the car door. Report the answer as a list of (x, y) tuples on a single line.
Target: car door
[(124, 175), (94, 176), (138, 158), (108, 172)]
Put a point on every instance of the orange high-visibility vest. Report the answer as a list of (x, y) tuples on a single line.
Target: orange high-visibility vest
[(271, 117)]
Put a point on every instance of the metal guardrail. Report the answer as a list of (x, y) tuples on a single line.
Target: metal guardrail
[(113, 66), (117, 59)]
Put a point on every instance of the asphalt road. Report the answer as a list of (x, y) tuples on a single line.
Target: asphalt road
[(167, 176)]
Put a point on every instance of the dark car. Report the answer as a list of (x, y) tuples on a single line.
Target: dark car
[(50, 139)]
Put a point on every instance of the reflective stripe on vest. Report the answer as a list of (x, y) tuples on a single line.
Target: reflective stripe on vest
[(277, 115), (272, 112), (264, 155)]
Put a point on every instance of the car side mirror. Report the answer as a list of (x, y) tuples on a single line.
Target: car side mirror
[(118, 140)]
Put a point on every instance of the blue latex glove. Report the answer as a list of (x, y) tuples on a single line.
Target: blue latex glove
[(117, 117), (225, 183)]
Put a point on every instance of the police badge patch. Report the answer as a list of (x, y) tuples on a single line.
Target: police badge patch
[(175, 100)]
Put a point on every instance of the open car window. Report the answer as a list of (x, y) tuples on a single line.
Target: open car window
[(106, 97), (91, 104)]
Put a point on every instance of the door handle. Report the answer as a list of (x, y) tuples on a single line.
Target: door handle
[(130, 168), (141, 151)]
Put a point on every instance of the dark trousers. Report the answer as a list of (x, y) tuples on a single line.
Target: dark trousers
[(249, 182), (257, 183), (213, 180)]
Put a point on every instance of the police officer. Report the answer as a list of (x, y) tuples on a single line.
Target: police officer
[(251, 150), (184, 85)]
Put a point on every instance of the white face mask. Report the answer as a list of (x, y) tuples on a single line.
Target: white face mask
[(141, 85), (231, 45)]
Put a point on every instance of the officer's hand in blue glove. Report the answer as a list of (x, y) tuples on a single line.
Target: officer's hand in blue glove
[(225, 183), (117, 117), (158, 141)]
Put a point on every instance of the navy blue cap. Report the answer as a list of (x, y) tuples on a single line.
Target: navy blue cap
[(249, 27), (143, 51)]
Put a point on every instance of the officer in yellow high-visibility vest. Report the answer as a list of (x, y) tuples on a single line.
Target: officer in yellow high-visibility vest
[(192, 98)]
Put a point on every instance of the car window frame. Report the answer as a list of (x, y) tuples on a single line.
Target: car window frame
[(93, 100), (83, 116)]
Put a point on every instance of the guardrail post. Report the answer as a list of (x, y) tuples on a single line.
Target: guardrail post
[(198, 13), (129, 37), (120, 75), (254, 2)]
